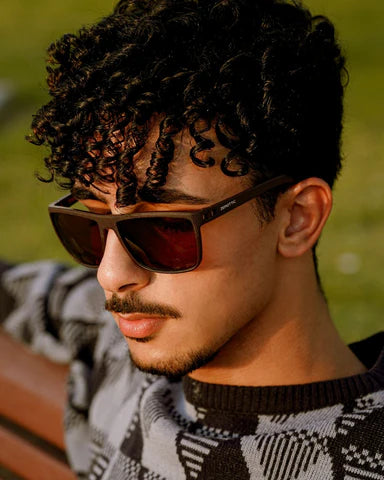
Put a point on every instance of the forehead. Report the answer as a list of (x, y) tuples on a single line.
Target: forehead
[(184, 176)]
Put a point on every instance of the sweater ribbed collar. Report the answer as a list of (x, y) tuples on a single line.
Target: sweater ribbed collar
[(272, 400)]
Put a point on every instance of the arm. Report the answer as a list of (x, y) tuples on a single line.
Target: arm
[(59, 312), (54, 309)]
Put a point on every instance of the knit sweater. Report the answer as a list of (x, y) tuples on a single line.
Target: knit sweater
[(123, 424)]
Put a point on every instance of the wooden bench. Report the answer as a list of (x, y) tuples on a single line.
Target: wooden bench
[(32, 399)]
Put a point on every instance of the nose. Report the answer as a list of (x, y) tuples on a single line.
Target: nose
[(118, 273)]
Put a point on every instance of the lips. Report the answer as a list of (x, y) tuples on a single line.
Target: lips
[(139, 325)]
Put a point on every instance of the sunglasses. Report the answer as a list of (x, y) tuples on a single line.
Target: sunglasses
[(163, 242)]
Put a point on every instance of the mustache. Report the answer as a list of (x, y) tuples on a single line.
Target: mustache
[(133, 304)]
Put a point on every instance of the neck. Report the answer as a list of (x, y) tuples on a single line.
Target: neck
[(293, 341)]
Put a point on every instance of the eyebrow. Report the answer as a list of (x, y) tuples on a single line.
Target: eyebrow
[(158, 196), (172, 196)]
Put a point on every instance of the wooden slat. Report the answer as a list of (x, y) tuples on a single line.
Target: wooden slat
[(28, 461), (32, 391)]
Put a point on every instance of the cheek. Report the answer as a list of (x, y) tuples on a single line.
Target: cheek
[(235, 278), (238, 244), (240, 263)]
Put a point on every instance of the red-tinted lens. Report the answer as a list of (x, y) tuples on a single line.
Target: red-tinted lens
[(80, 236), (161, 243)]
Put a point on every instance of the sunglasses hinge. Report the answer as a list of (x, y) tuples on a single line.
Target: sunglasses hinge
[(208, 215)]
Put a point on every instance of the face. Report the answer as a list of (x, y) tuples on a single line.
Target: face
[(176, 323)]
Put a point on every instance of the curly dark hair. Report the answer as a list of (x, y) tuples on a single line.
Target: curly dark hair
[(265, 74)]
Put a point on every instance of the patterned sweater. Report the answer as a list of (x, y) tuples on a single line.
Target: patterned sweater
[(123, 424)]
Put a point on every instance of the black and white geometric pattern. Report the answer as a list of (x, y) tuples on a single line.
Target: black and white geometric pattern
[(290, 455), (193, 450), (98, 467)]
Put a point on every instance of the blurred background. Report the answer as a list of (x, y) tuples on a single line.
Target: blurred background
[(351, 251)]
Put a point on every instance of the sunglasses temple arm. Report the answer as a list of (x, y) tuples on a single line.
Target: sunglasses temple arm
[(66, 201), (218, 209)]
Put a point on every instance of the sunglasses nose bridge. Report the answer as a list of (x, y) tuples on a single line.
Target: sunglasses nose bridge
[(106, 224), (110, 223)]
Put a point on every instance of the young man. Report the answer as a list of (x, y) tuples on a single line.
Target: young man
[(203, 138)]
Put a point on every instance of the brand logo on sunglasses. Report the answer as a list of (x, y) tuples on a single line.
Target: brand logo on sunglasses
[(227, 205)]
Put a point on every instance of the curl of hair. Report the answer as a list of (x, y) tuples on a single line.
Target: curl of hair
[(162, 156)]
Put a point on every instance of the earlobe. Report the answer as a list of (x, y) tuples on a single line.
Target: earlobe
[(304, 210)]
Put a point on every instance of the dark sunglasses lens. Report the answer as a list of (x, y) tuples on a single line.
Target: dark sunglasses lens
[(80, 236), (161, 243)]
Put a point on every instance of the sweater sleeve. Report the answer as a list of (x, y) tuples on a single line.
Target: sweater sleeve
[(7, 302), (59, 312), (56, 310)]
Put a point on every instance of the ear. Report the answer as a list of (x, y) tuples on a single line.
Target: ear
[(304, 209)]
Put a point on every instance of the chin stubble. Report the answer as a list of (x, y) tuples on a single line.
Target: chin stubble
[(176, 368)]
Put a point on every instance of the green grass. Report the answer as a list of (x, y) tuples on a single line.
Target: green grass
[(351, 251)]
